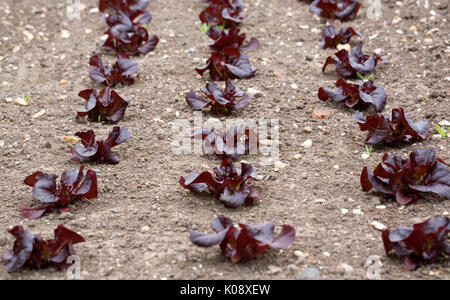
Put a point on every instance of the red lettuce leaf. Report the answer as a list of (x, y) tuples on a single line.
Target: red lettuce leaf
[(107, 106), (240, 245), (360, 95), (90, 150), (230, 38), (222, 102), (354, 64), (343, 10), (231, 64), (227, 184), (131, 7), (421, 244), (387, 129), (73, 185), (331, 37), (229, 143), (123, 71), (407, 179), (127, 33), (32, 251), (227, 13)]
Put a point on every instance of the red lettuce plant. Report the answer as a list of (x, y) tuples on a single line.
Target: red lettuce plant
[(107, 106), (227, 184), (91, 150), (73, 185), (230, 38), (243, 244), (421, 244), (407, 179), (226, 13), (360, 95), (387, 129), (128, 37), (354, 64), (229, 143), (123, 71), (331, 37), (223, 102), (32, 251), (343, 10), (133, 8), (230, 64)]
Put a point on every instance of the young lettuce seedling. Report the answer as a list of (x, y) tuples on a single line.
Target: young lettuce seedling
[(205, 27), (100, 121), (442, 131), (26, 97), (364, 78), (369, 150)]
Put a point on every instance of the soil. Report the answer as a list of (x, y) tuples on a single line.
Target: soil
[(143, 190)]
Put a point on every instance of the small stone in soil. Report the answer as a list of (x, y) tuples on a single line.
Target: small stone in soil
[(255, 93), (436, 137), (309, 273), (273, 270), (307, 144), (321, 113), (344, 46), (344, 268), (357, 211), (379, 226), (65, 34), (298, 156), (278, 165), (300, 255)]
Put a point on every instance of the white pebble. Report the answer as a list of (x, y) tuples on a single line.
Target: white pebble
[(307, 144), (357, 211), (379, 226)]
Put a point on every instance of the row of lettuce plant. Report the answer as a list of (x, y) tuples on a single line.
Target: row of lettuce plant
[(127, 35), (227, 183), (405, 180)]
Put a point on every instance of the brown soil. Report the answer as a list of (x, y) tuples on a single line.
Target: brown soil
[(143, 189)]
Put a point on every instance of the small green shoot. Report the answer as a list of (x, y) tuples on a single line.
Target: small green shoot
[(369, 150), (442, 131), (26, 97), (365, 78), (205, 27), (100, 120)]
